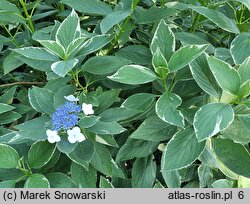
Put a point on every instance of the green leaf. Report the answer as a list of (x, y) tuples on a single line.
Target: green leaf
[(118, 114), (11, 62), (105, 183), (159, 63), (101, 127), (60, 180), (225, 75), (82, 177), (234, 156), (5, 108), (40, 153), (102, 65), (245, 2), (41, 100), (37, 181), (62, 90), (82, 153), (204, 76), (9, 117), (8, 95), (172, 179), (166, 109), (184, 56), (8, 184), (223, 183), (37, 53), (164, 40), (69, 30), (93, 7), (88, 121), (61, 68), (8, 157), (243, 182), (136, 149), (154, 129), (244, 70), (53, 47), (95, 43), (64, 146), (112, 19), (9, 13), (153, 14), (137, 54), (212, 118), (239, 48), (144, 172), (34, 129), (133, 74), (106, 99), (205, 174), (101, 159), (237, 132), (139, 102), (218, 18), (107, 140), (75, 45), (182, 150)]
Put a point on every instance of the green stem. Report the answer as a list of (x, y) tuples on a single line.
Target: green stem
[(117, 37), (195, 23), (28, 17), (12, 37)]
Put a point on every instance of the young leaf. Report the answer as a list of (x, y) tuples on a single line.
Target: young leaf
[(212, 118), (54, 47), (164, 40), (61, 68), (204, 77), (133, 74), (166, 109), (159, 63), (233, 155), (69, 30), (37, 53), (184, 56), (182, 150), (226, 76)]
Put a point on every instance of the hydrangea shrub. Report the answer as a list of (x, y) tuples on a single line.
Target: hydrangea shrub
[(124, 94)]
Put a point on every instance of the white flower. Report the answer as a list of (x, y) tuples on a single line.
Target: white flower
[(87, 109), (53, 136), (75, 135), (71, 98)]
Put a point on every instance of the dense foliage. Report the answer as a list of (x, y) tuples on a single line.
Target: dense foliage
[(124, 93)]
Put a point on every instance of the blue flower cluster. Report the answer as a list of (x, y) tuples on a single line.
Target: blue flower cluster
[(65, 117)]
